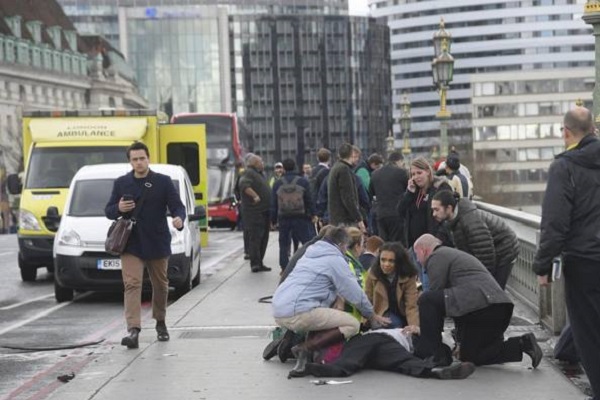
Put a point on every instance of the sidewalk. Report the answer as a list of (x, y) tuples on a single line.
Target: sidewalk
[(218, 332)]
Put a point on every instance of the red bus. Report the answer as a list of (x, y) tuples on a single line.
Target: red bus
[(226, 136)]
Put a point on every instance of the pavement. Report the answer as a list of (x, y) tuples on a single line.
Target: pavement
[(218, 332)]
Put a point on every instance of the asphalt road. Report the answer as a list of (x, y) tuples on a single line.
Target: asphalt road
[(31, 319)]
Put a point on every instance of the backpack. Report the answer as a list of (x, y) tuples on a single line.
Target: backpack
[(290, 198)]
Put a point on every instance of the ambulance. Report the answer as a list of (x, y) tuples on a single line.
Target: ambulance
[(56, 144)]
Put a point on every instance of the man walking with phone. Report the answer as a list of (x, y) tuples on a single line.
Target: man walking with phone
[(145, 196)]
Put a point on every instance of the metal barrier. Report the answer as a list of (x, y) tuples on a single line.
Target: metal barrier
[(548, 302)]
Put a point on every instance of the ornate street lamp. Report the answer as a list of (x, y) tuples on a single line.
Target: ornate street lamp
[(591, 16), (439, 37), (442, 68), (389, 141), (405, 122)]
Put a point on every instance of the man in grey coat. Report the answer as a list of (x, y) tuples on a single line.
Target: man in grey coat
[(462, 288), (342, 195)]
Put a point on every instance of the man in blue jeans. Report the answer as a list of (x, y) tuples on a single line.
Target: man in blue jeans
[(292, 208)]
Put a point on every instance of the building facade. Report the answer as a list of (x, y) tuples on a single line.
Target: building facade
[(304, 82), (102, 16), (46, 65), (517, 122), (300, 78), (488, 36)]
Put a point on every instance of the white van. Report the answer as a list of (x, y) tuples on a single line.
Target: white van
[(80, 261)]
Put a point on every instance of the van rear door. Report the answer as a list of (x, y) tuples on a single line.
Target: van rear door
[(185, 145)]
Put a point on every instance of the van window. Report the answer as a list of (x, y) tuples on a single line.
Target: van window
[(186, 155), (54, 167), (89, 197)]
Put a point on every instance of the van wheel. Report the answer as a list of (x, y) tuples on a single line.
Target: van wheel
[(28, 271), (61, 293), (196, 280), (185, 287)]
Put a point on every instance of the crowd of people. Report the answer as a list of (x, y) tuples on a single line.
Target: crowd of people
[(399, 251)]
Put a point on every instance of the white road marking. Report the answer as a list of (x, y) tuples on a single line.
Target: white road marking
[(40, 315), (6, 253), (26, 302)]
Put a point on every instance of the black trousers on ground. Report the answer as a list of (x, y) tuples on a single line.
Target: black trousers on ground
[(258, 228), (582, 290), (373, 351), (391, 229), (480, 333)]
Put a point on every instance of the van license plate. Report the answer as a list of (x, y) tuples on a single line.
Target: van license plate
[(112, 264)]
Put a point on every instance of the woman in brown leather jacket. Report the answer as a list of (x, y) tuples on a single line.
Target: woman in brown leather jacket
[(391, 286)]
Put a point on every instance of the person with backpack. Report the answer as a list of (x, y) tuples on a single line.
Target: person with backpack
[(292, 209)]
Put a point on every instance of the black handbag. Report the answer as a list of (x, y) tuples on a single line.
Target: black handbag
[(120, 230)]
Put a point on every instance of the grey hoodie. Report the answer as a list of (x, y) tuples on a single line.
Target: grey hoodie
[(319, 276)]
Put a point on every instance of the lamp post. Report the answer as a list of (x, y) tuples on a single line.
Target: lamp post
[(405, 121), (442, 68), (389, 142), (592, 16)]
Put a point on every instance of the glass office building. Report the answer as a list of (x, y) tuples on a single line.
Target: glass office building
[(488, 36), (303, 82), (93, 17), (517, 122), (180, 55)]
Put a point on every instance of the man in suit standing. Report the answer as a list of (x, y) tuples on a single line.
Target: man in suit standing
[(150, 240)]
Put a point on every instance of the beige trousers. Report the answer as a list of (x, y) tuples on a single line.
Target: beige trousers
[(319, 319), (133, 276)]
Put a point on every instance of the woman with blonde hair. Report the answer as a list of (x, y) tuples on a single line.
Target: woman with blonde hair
[(415, 205)]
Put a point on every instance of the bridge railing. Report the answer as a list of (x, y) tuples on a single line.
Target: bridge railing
[(548, 302)]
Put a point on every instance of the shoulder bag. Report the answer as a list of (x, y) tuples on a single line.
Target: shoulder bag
[(120, 230)]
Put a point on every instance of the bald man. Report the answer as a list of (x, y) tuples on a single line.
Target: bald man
[(571, 227), (463, 289), (256, 199)]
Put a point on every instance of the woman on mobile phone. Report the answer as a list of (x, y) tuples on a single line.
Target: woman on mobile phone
[(415, 205)]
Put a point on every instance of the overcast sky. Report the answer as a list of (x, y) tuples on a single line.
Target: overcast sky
[(358, 7)]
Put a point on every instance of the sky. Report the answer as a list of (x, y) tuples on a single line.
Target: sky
[(358, 7)]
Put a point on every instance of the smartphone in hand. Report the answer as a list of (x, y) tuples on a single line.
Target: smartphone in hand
[(127, 197)]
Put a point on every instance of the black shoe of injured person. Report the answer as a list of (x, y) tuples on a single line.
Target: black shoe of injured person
[(301, 354), (457, 370)]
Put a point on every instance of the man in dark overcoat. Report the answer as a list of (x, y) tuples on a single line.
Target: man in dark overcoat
[(150, 240)]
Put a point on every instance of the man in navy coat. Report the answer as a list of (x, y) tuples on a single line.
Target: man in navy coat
[(150, 240)]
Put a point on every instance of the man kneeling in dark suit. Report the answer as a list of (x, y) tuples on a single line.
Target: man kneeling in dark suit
[(462, 288)]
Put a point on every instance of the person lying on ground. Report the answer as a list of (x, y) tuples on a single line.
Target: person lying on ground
[(385, 350)]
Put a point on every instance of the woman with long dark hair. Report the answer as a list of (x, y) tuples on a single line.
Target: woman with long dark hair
[(391, 286)]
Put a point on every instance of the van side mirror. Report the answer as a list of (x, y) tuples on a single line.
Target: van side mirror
[(199, 213), (14, 184), (52, 219)]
